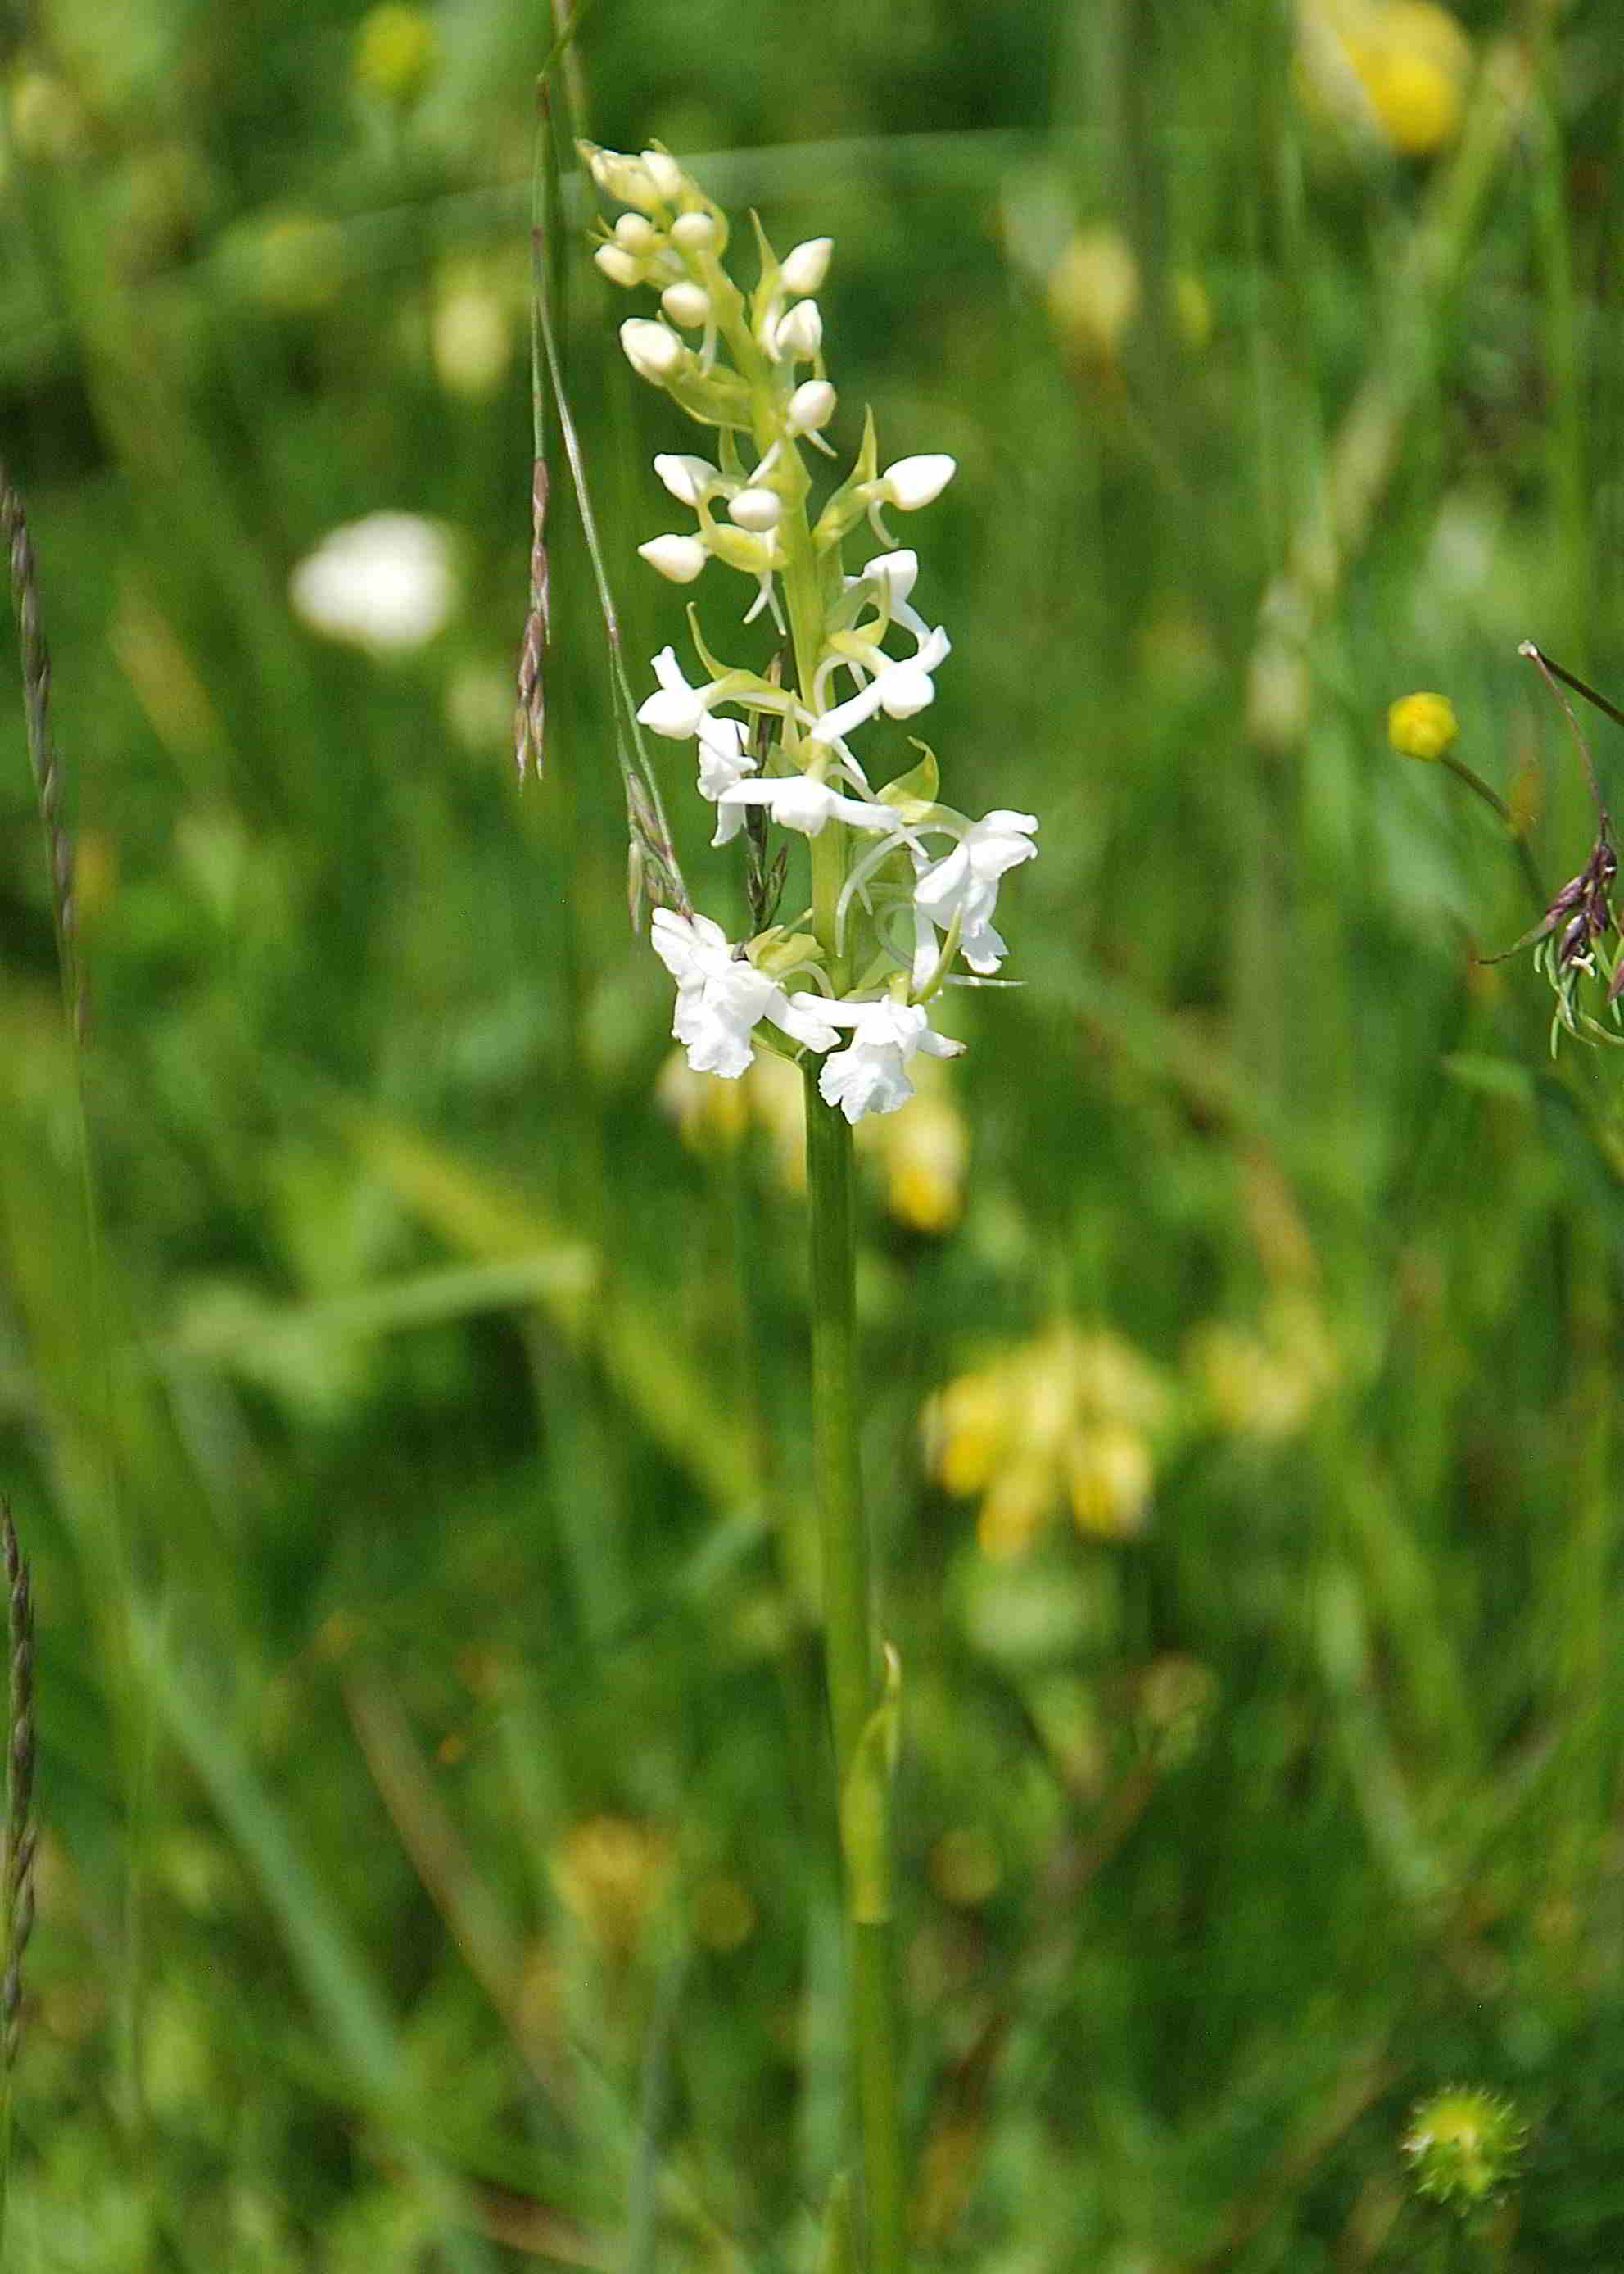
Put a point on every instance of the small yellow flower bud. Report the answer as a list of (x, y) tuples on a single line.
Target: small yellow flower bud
[(1422, 725), (397, 52)]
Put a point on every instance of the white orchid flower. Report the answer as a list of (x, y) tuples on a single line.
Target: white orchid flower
[(722, 1000), (964, 884), (870, 1075)]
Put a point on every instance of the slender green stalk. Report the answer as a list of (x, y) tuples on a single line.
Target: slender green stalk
[(17, 1844), (850, 1653), (1503, 813)]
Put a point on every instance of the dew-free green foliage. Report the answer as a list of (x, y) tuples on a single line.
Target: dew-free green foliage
[(415, 1466)]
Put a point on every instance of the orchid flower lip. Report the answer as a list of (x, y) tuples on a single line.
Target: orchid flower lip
[(901, 690), (798, 802), (869, 1075)]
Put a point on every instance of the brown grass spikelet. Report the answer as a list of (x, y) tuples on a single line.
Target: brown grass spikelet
[(530, 714), (43, 758), (20, 1830), (652, 869)]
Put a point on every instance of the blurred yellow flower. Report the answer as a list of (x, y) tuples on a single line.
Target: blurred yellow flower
[(1095, 294), (290, 262), (1401, 66), (1264, 1384), (715, 1116), (1094, 289), (922, 1153), (1069, 1417), (470, 332), (46, 118), (1422, 725), (964, 1868), (397, 52), (611, 1872)]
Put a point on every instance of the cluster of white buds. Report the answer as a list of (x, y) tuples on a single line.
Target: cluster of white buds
[(893, 910)]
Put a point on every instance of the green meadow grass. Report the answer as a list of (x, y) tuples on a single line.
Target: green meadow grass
[(414, 1460)]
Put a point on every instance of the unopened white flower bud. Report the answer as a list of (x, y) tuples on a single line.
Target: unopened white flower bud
[(914, 482), (758, 509), (653, 350), (618, 266), (680, 558), (805, 268), (635, 233), (628, 179), (688, 304), (690, 480), (811, 407), (664, 173), (695, 232), (799, 333)]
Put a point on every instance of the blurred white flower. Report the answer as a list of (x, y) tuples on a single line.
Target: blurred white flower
[(471, 335), (384, 582)]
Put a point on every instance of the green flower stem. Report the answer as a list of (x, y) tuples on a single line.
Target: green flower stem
[(1497, 806), (849, 1644), (848, 1628)]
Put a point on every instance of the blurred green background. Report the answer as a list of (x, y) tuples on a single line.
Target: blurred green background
[(415, 1468)]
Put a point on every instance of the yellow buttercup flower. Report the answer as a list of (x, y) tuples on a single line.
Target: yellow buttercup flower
[(1402, 66), (1069, 1419), (1422, 725)]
